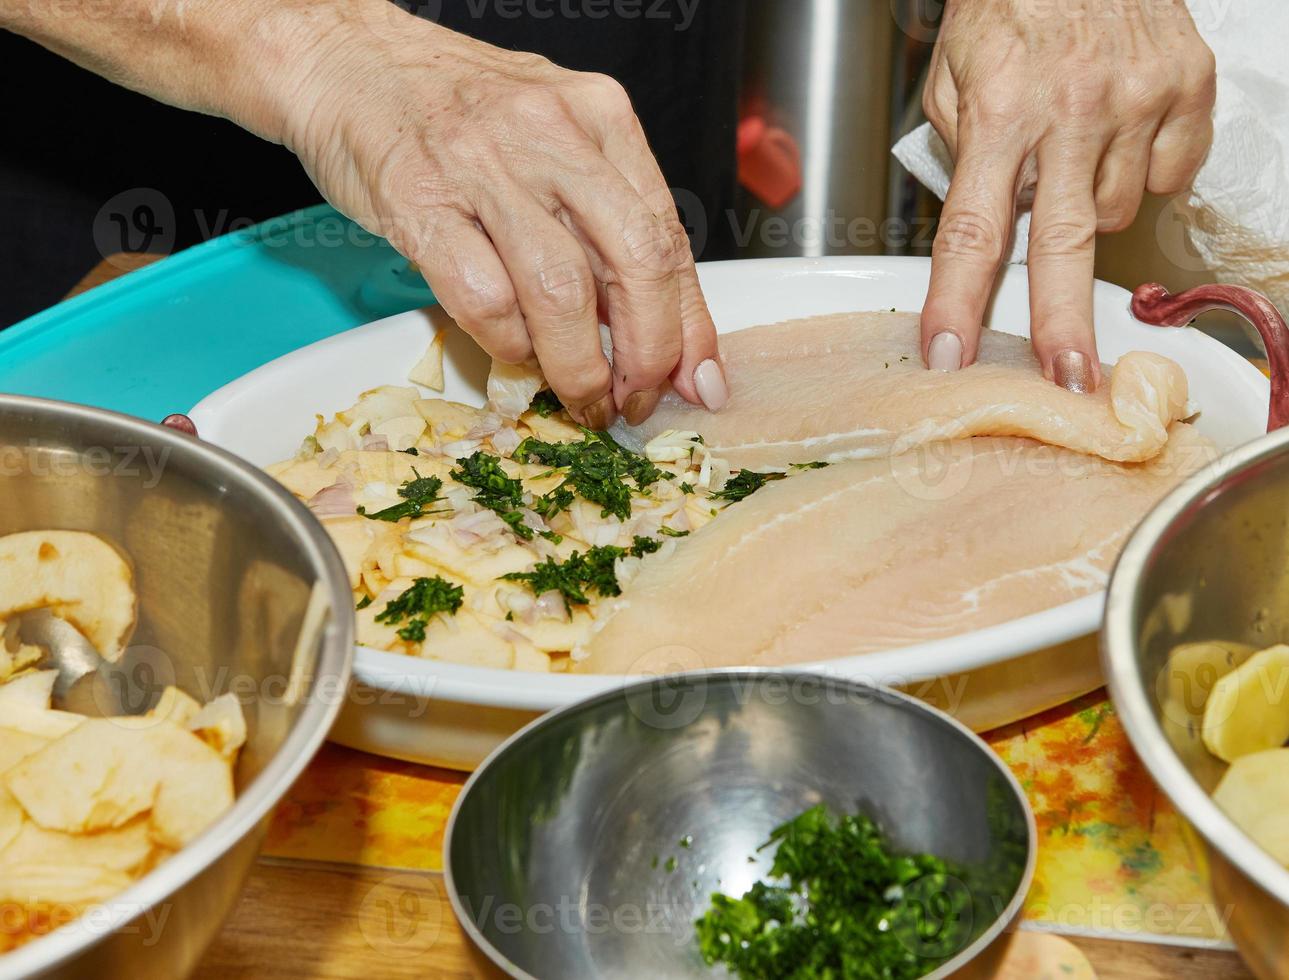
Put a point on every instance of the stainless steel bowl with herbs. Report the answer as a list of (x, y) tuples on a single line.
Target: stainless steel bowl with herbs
[(757, 824)]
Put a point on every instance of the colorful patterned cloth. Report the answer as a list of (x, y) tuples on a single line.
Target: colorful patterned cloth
[(1114, 856)]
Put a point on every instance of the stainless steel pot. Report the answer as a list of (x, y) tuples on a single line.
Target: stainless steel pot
[(240, 590)]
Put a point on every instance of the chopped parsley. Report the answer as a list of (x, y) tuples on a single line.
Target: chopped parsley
[(413, 451), (546, 403), (425, 599), (418, 494), (502, 494), (598, 468), (811, 466), (581, 573), (745, 484), (687, 488), (363, 603), (671, 532), (843, 905)]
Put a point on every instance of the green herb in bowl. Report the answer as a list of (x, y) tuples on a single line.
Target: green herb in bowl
[(840, 905)]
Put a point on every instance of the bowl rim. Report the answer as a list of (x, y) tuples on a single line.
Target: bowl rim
[(320, 708), (1128, 693), (1001, 921)]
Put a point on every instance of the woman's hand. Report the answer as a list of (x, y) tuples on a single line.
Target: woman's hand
[(526, 194), (1080, 106)]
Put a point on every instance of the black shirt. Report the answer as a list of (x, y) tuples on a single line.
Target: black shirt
[(74, 141)]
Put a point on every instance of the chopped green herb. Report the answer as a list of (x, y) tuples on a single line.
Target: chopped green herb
[(671, 532), (598, 469), (642, 546), (364, 602), (413, 451), (687, 841), (670, 866), (582, 573), (811, 466), (425, 599), (844, 905), (745, 484), (546, 403), (417, 494), (687, 488), (495, 490), (699, 439)]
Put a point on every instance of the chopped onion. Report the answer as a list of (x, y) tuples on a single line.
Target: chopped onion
[(506, 440), (336, 500), (375, 443)]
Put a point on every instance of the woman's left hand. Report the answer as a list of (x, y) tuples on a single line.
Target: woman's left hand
[(1081, 105)]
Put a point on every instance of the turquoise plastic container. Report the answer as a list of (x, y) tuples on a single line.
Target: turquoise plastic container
[(160, 339)]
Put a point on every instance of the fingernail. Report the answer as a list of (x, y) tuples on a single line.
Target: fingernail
[(709, 379), (640, 405), (945, 352), (1073, 371), (600, 415)]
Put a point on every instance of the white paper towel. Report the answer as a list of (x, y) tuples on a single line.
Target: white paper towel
[(1238, 212)]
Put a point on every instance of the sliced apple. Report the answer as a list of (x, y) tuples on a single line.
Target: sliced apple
[(124, 849), (221, 724), (33, 689), (97, 776), (78, 576), (429, 369)]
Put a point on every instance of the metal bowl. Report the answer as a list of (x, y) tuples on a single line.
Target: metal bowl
[(564, 852), (1207, 564), (239, 590)]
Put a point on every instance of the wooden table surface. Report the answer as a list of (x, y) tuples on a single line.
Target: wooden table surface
[(296, 920)]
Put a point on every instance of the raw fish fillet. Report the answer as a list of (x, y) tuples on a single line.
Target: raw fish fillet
[(852, 386), (874, 554)]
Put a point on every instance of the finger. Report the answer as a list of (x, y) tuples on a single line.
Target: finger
[(1179, 151), (637, 264), (557, 296), (472, 285), (1186, 135), (1062, 253), (974, 231), (1121, 180), (699, 376)]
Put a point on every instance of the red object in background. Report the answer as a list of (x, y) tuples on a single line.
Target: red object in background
[(769, 162)]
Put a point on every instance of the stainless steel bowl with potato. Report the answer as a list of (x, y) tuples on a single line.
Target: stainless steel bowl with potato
[(176, 637), (1196, 619)]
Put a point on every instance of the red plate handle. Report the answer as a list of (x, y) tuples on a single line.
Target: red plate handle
[(181, 423), (1153, 304)]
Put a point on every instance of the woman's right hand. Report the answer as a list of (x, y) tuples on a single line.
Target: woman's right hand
[(526, 194)]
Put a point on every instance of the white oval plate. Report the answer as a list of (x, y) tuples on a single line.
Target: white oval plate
[(264, 415)]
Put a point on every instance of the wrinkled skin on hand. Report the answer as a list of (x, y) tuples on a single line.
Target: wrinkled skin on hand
[(528, 197), (1078, 107)]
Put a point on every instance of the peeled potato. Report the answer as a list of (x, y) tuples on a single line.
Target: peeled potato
[(1194, 668), (1248, 709), (79, 576), (1255, 794)]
